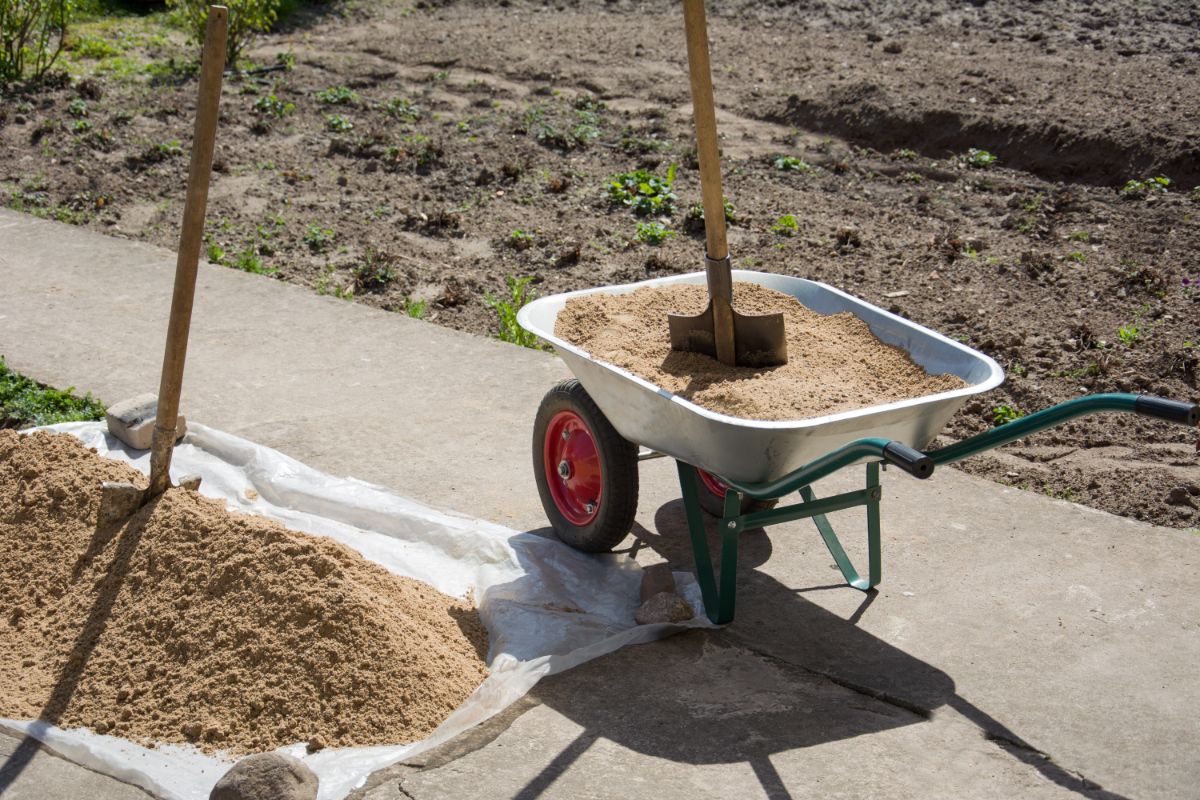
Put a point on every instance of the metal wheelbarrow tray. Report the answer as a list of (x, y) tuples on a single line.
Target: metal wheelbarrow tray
[(587, 432)]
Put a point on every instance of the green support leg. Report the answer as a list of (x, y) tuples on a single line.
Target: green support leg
[(718, 601), (874, 559)]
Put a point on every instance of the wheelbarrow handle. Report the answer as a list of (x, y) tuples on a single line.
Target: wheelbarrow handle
[(1170, 410), (914, 462)]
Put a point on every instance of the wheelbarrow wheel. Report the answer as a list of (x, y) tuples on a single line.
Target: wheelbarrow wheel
[(587, 474), (712, 496)]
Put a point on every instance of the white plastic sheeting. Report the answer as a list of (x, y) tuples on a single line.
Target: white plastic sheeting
[(547, 607)]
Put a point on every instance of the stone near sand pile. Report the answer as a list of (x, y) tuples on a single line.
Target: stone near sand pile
[(267, 776), (189, 623)]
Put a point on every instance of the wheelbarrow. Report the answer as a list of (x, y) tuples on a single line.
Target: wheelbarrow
[(590, 434)]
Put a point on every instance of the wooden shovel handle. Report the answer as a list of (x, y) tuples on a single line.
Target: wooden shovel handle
[(190, 240), (705, 118)]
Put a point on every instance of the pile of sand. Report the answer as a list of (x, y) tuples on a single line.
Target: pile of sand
[(189, 623), (834, 363)]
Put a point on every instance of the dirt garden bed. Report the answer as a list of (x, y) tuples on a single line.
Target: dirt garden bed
[(413, 158)]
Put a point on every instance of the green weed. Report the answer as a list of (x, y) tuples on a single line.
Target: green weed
[(1077, 256), (786, 226), (652, 233), (1079, 236), (338, 96), (338, 123), (317, 238), (790, 164), (24, 402), (979, 159), (77, 107), (1003, 414), (506, 309), (1129, 334), (415, 308), (520, 239), (1145, 187), (644, 193), (374, 272), (403, 110)]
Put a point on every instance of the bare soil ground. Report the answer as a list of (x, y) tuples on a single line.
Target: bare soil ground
[(475, 141)]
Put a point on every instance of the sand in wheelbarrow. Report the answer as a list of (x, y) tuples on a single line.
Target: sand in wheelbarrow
[(189, 623), (834, 363)]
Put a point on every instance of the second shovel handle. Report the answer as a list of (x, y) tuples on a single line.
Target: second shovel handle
[(704, 114)]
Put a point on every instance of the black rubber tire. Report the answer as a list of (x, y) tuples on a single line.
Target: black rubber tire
[(714, 504), (618, 470)]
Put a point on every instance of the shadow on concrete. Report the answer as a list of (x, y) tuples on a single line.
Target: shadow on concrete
[(721, 696)]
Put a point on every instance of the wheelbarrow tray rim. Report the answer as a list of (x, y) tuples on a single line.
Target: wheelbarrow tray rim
[(538, 317)]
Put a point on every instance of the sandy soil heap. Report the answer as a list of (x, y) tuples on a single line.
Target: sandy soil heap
[(834, 363), (193, 624)]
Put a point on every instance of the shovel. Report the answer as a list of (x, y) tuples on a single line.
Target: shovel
[(733, 339), (119, 500)]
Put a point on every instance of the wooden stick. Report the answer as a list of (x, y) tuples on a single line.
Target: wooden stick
[(190, 239), (705, 118), (720, 283)]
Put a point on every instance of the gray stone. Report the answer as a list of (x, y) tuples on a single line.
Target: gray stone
[(657, 578), (132, 421), (664, 607), (267, 776)]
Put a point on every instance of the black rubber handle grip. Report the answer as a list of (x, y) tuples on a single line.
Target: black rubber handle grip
[(1170, 410), (914, 462)]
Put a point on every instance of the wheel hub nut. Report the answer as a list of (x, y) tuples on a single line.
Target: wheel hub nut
[(590, 507), (564, 470)]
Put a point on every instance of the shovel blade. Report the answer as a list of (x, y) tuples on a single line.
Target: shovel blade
[(759, 339)]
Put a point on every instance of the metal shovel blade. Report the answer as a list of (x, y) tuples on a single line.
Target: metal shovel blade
[(758, 339)]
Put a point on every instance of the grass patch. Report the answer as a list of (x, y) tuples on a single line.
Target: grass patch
[(25, 403)]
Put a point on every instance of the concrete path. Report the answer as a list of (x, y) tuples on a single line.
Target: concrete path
[(1018, 647)]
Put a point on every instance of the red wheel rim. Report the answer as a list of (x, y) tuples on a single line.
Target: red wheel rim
[(573, 468), (712, 483)]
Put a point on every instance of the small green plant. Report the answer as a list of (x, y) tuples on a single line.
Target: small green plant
[(77, 107), (415, 308), (247, 19), (24, 402), (271, 106), (506, 309), (1079, 236), (82, 125), (318, 239), (403, 110), (1003, 414), (287, 60), (338, 96), (374, 272), (338, 123), (520, 239), (168, 149), (652, 233), (786, 226), (979, 159), (1145, 187), (1077, 256), (215, 253), (1129, 334), (32, 35), (94, 47), (914, 177), (248, 260), (790, 164), (644, 193), (906, 154)]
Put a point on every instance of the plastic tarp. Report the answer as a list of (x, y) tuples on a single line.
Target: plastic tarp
[(547, 608)]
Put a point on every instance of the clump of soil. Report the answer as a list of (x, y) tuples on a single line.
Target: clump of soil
[(188, 623), (834, 364)]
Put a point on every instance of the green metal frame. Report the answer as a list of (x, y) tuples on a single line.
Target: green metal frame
[(719, 591)]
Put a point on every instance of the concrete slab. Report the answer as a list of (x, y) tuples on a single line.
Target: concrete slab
[(29, 771), (1019, 646)]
